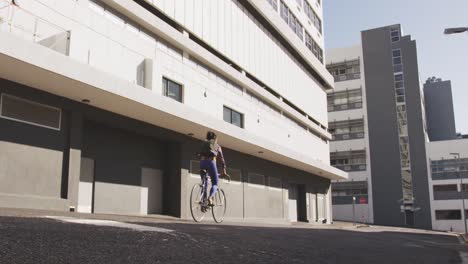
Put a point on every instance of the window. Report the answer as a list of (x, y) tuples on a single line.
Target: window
[(313, 46), (274, 4), (314, 18), (30, 112), (172, 90), (256, 179), (292, 21), (233, 117), (448, 214), (236, 175), (274, 183), (445, 188), (395, 34), (299, 2), (344, 100), (284, 12), (398, 77)]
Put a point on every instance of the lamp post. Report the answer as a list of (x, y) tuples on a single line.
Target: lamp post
[(448, 31), (457, 162)]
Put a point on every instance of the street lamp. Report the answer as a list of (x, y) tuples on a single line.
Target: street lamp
[(457, 162), (448, 31)]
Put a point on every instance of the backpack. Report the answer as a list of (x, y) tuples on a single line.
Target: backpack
[(209, 148)]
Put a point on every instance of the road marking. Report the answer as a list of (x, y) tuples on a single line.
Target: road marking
[(109, 223)]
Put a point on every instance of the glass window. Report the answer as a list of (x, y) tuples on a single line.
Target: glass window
[(30, 112), (398, 85), (284, 12), (448, 214), (396, 53), (398, 77), (274, 4), (256, 179), (398, 68), (172, 90), (397, 61), (233, 117), (445, 188)]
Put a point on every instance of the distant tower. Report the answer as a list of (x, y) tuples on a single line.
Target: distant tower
[(439, 109)]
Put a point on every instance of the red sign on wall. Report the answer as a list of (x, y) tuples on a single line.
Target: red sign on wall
[(362, 200)]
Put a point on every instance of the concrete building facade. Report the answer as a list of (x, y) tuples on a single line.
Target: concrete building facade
[(393, 121), (104, 104), (448, 183)]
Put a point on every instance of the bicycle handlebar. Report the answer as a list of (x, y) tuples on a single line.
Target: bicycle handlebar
[(221, 175)]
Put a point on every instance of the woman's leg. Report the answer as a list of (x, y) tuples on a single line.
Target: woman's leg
[(213, 172)]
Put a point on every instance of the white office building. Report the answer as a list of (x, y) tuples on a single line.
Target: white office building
[(105, 103), (349, 148)]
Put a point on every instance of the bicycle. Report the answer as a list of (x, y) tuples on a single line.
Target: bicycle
[(199, 200)]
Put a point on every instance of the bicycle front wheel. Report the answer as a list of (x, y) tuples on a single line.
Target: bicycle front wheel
[(196, 203), (219, 207)]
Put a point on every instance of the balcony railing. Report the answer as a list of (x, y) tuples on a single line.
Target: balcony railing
[(336, 200), (449, 175), (347, 77), (344, 107), (348, 136), (449, 195), (351, 167), (25, 24)]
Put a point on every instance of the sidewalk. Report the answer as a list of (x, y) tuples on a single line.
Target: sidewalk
[(163, 219)]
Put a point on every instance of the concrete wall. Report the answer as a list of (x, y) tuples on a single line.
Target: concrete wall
[(256, 201), (120, 147), (31, 158)]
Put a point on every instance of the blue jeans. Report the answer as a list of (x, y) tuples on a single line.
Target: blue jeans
[(210, 167)]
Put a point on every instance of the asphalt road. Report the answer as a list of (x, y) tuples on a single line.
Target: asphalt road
[(41, 240)]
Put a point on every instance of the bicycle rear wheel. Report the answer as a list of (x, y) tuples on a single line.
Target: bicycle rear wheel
[(196, 203), (219, 207)]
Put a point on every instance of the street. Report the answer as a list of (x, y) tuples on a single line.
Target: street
[(72, 240)]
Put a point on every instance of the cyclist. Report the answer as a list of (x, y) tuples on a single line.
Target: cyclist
[(211, 152)]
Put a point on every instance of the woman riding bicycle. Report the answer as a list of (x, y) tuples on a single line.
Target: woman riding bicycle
[(211, 152)]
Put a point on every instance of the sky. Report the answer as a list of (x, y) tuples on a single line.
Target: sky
[(443, 56)]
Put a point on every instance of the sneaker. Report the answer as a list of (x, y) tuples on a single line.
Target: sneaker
[(210, 201)]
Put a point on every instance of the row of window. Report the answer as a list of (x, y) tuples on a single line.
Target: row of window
[(345, 71), (449, 214), (449, 165), (449, 187), (395, 34), (347, 129), (297, 27), (313, 46), (291, 20), (174, 91), (354, 160), (402, 120), (314, 18), (344, 100)]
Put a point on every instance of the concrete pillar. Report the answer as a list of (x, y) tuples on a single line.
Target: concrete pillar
[(328, 198), (76, 136)]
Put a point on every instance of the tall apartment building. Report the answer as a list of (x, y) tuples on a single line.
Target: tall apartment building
[(439, 109), (105, 103), (379, 131)]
